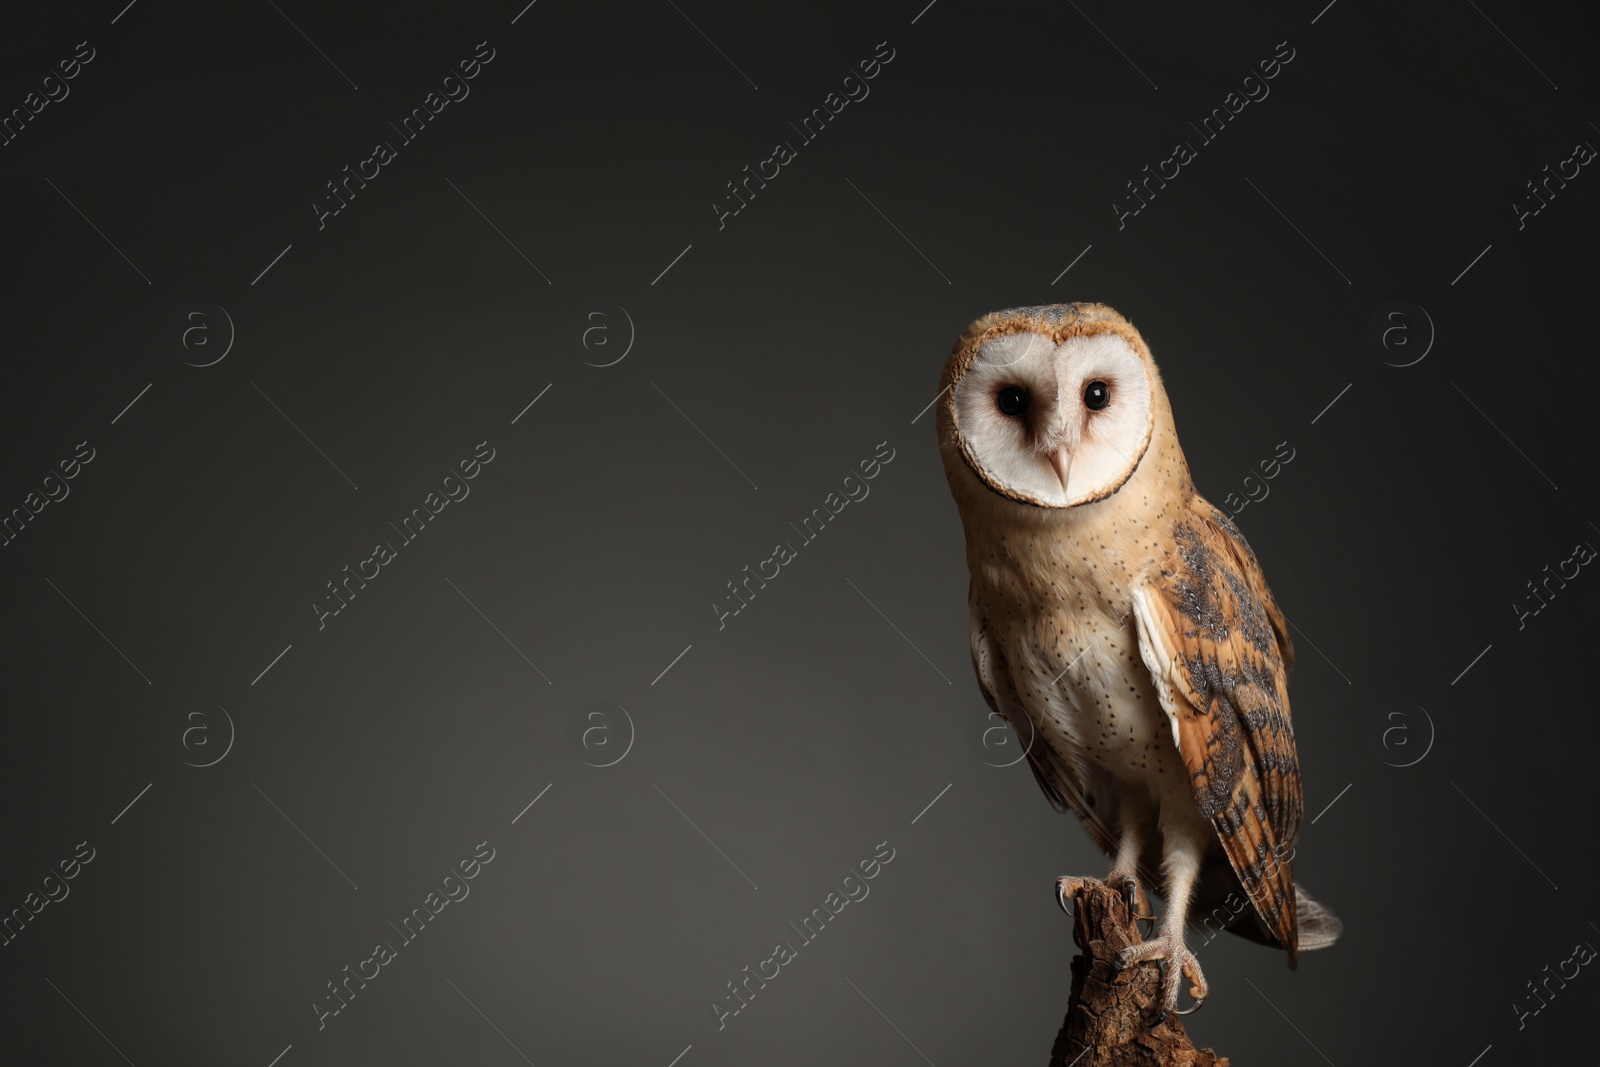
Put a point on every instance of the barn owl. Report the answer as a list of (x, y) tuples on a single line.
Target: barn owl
[(1121, 623)]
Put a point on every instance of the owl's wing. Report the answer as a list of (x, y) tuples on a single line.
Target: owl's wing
[(1055, 777), (1213, 638), (1251, 573)]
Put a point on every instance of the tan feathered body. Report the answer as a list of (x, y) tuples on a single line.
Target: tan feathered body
[(1132, 644)]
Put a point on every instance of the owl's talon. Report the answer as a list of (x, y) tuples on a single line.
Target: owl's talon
[(1138, 904), (1198, 990), (1131, 897), (1064, 885)]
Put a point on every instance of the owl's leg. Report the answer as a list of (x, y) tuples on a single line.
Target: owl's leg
[(1181, 867), (1125, 870)]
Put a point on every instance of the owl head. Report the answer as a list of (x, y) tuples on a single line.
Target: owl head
[(1051, 407)]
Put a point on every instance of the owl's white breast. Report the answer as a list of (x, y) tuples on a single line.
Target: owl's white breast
[(1082, 682), (1058, 608)]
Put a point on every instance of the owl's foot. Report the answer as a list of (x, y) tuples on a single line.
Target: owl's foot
[(1066, 885), (1177, 963), (1133, 896)]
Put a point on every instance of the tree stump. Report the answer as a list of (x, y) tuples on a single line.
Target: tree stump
[(1108, 1017)]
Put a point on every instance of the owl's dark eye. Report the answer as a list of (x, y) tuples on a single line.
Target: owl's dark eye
[(1096, 395), (1011, 401)]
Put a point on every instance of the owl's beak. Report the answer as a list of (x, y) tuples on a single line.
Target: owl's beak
[(1061, 461)]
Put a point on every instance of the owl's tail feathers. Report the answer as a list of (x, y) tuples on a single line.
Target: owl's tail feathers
[(1319, 926)]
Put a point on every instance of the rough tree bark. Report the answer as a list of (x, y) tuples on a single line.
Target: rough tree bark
[(1108, 1017)]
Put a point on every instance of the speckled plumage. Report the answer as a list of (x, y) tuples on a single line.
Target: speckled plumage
[(1128, 629)]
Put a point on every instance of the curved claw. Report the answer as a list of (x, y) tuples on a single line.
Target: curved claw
[(1063, 884), (1197, 988), (1130, 897), (1161, 1013)]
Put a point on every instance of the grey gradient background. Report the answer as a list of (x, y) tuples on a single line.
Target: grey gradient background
[(818, 723)]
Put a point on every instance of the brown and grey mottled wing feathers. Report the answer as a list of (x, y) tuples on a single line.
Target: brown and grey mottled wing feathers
[(1215, 642), (1254, 581)]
